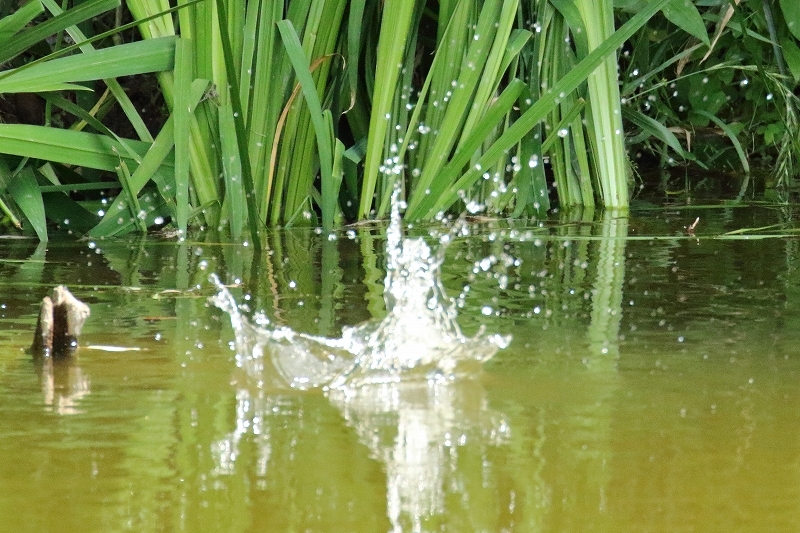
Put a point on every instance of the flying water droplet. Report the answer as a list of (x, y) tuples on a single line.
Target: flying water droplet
[(419, 335)]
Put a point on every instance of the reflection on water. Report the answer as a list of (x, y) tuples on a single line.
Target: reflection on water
[(418, 430), (63, 385), (421, 431)]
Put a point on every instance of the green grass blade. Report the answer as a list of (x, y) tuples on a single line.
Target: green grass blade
[(69, 147), (657, 130), (25, 192), (443, 186), (685, 15), (70, 215), (605, 129), (235, 196), (322, 131), (396, 23), (238, 119), (113, 85), (124, 177), (85, 11), (731, 135), (265, 102), (181, 113), (17, 20), (125, 60)]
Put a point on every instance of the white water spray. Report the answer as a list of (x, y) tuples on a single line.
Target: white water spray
[(419, 335)]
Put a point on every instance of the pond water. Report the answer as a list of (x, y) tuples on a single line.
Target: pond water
[(651, 384)]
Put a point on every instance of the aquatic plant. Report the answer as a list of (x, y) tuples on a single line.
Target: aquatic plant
[(309, 111)]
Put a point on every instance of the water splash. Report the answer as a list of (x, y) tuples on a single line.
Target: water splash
[(419, 335)]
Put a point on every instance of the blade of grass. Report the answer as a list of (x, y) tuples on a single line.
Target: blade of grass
[(181, 113), (125, 60), (116, 89), (494, 115), (16, 21), (25, 192), (731, 135), (238, 118), (657, 130), (324, 142), (395, 24), (85, 11), (124, 176), (235, 203), (69, 147)]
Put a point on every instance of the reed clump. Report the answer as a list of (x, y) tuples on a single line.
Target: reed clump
[(311, 111)]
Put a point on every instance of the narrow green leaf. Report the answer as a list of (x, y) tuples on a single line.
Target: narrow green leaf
[(396, 21), (182, 112), (731, 135), (791, 53), (444, 186), (153, 167), (113, 85), (685, 15), (791, 14), (25, 192), (69, 147), (324, 142), (67, 212), (235, 200), (238, 118), (85, 11), (153, 55), (656, 129), (534, 114), (124, 176), (17, 20)]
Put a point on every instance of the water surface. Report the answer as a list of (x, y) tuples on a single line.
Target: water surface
[(651, 385)]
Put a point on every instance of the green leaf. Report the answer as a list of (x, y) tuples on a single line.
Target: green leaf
[(67, 212), (530, 118), (321, 129), (685, 15), (154, 55), (232, 173), (655, 129), (181, 113), (19, 19), (732, 136), (69, 147), (791, 14), (113, 85), (25, 192), (238, 122), (397, 18), (791, 53), (86, 11)]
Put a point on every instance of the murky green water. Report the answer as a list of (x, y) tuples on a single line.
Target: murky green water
[(652, 385)]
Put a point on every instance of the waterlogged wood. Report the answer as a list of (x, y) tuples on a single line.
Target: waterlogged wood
[(61, 318)]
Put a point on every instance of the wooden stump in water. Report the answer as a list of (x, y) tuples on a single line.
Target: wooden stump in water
[(61, 318)]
